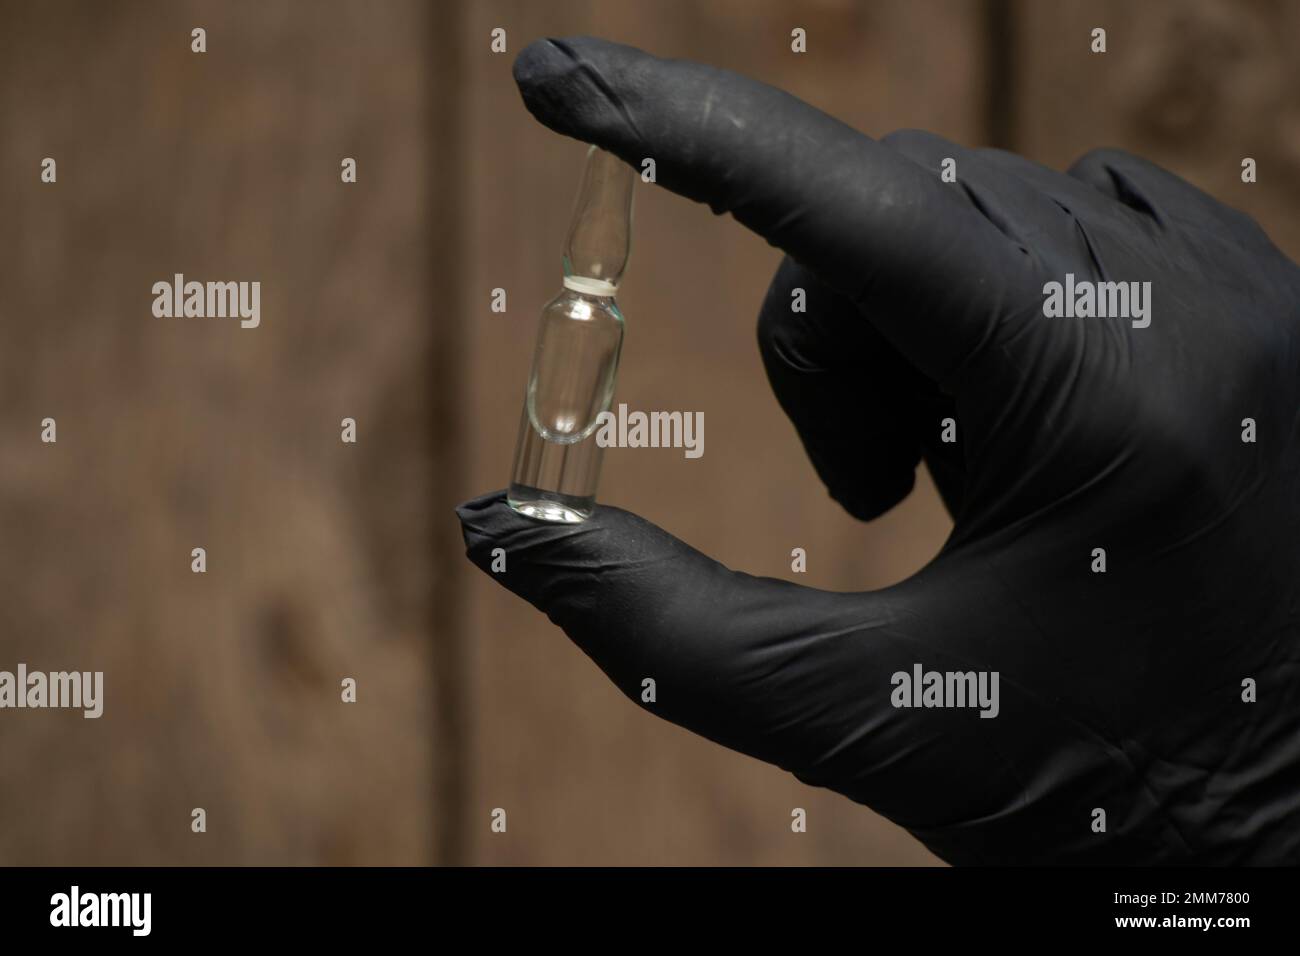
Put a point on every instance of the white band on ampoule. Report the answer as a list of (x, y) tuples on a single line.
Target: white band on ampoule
[(590, 286)]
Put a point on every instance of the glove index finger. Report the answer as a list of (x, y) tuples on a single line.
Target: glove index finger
[(877, 227)]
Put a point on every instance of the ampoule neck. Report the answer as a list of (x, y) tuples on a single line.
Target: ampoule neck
[(598, 288)]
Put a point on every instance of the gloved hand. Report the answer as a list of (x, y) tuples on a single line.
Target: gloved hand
[(1119, 690)]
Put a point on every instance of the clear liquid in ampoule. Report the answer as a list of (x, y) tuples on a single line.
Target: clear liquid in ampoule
[(557, 458)]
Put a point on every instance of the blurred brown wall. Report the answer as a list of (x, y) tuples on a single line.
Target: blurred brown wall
[(329, 560), (222, 689)]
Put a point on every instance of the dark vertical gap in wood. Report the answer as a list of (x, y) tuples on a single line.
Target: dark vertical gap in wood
[(1000, 102), (445, 298)]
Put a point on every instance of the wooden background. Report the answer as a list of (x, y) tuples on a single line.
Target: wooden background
[(329, 560)]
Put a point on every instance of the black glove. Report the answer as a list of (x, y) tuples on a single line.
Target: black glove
[(1119, 691)]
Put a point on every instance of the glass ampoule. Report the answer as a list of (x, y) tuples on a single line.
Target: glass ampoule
[(557, 459)]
